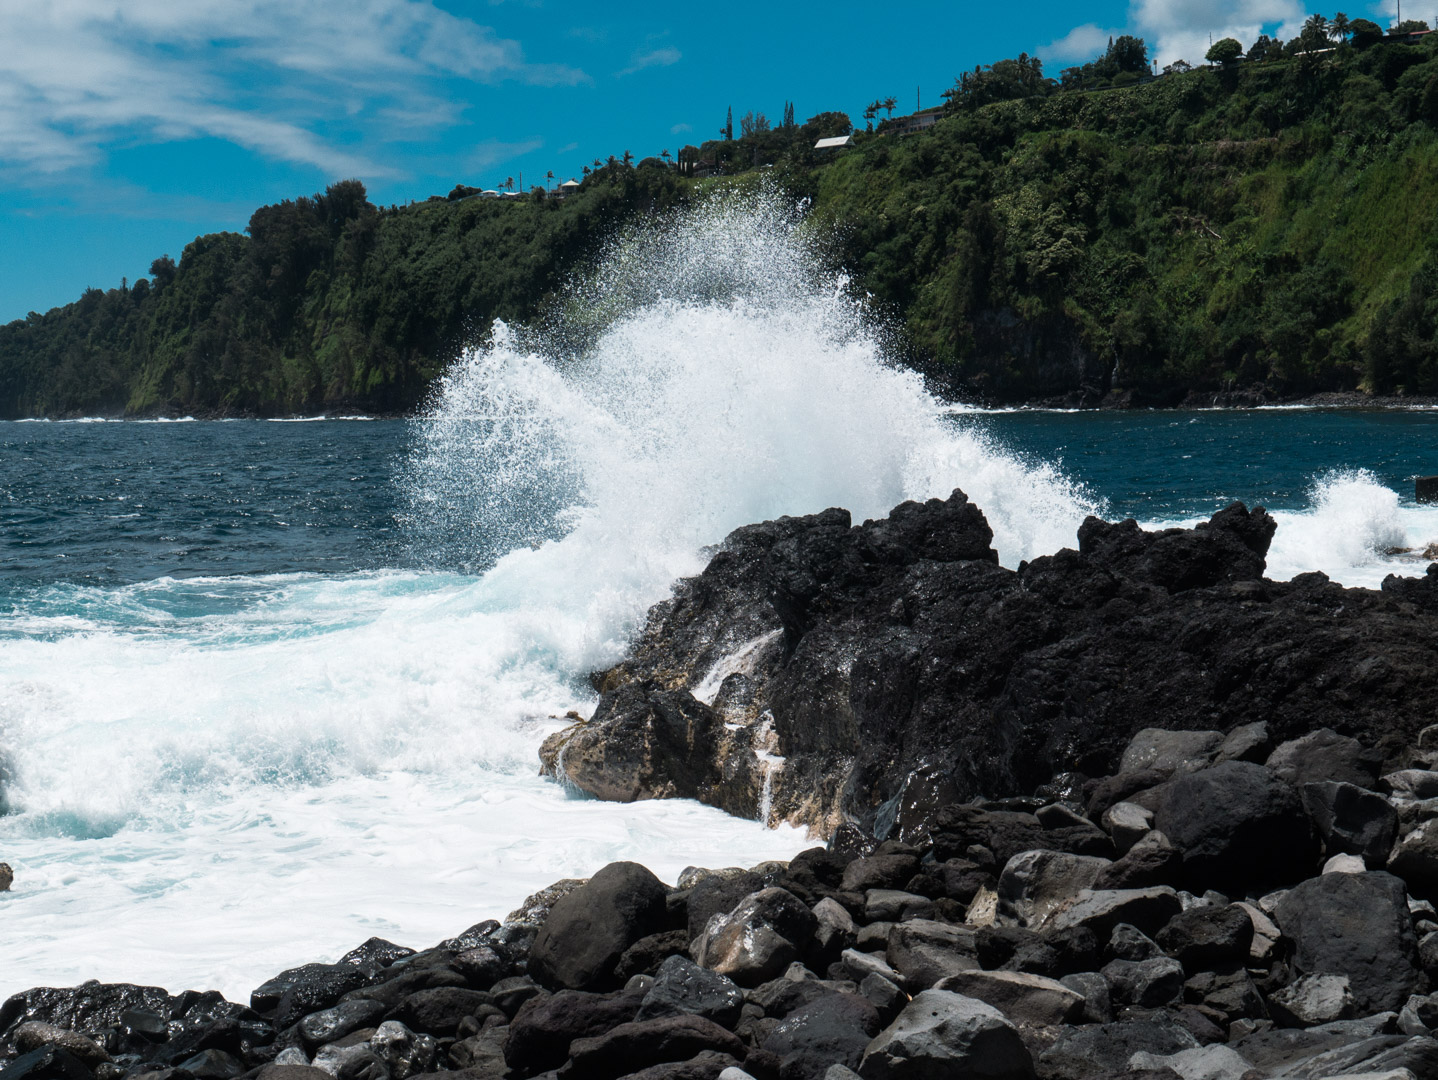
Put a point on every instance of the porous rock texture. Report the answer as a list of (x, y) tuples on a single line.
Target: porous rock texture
[(873, 673)]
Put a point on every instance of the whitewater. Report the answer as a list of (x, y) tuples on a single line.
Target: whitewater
[(210, 777)]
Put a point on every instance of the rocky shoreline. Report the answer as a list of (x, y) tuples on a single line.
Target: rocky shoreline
[(1219, 909), (1127, 811), (823, 673)]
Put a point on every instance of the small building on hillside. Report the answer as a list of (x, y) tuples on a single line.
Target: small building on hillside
[(702, 169), (838, 142), (564, 190), (918, 121)]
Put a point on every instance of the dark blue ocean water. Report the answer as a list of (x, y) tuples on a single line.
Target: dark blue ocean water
[(111, 503)]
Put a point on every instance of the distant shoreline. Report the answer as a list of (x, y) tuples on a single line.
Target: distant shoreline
[(1221, 402)]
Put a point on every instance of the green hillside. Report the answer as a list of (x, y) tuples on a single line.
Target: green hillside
[(1260, 226)]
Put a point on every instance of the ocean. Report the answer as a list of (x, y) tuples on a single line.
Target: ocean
[(270, 688)]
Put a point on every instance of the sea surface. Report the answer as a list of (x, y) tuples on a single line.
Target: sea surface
[(270, 688)]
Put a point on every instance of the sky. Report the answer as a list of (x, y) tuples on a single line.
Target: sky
[(128, 127)]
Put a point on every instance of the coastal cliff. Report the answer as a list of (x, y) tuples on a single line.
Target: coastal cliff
[(819, 672)]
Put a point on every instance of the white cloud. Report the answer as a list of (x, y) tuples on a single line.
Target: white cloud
[(1081, 43), (264, 74), (655, 58), (680, 129), (1183, 29)]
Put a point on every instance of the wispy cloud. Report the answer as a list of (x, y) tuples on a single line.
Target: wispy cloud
[(654, 58), (492, 152), (267, 75)]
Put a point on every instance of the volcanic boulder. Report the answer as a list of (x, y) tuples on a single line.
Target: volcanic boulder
[(588, 929)]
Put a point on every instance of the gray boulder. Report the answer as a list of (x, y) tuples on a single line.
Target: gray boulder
[(833, 1029), (682, 986), (923, 951), (1148, 984), (1025, 999), (588, 930), (1217, 1062), (941, 1035), (1035, 883), (1170, 751), (1415, 857), (1311, 1000), (1100, 910), (1325, 755), (1106, 1049), (1412, 784), (759, 939), (1356, 925), (1352, 820), (1208, 937), (1238, 827)]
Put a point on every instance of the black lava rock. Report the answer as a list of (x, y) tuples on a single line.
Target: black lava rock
[(588, 930)]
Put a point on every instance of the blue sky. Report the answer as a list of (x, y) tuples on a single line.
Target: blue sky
[(127, 128)]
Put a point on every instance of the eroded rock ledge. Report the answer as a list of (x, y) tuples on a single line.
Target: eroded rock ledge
[(823, 673)]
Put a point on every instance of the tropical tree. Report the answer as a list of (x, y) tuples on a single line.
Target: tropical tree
[(547, 178), (1224, 51), (728, 129), (509, 183), (628, 159), (666, 155), (1339, 27), (889, 105), (870, 111), (1364, 32)]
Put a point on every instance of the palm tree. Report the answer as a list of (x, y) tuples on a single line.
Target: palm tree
[(547, 178), (666, 155), (1339, 26), (612, 163), (870, 111), (598, 164), (889, 104), (509, 183), (628, 159), (584, 172)]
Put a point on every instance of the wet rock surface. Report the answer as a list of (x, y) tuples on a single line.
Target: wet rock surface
[(1247, 893), (877, 672)]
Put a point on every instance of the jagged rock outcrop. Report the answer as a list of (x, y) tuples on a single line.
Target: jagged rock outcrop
[(820, 672)]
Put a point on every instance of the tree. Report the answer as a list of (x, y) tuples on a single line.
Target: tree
[(728, 129), (1007, 80), (870, 111), (1265, 48), (1410, 26), (1224, 51), (1339, 27), (584, 172), (889, 105), (666, 155), (547, 178), (509, 183), (1364, 32), (162, 270), (628, 159), (788, 116), (1178, 67), (826, 125), (1129, 54)]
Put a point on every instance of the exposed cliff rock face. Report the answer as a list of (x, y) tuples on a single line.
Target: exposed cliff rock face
[(819, 672)]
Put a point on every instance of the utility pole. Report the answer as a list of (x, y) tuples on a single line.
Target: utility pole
[(918, 104)]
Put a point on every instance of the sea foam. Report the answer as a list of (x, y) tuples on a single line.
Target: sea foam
[(212, 779)]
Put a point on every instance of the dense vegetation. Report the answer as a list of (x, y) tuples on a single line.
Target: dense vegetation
[(1264, 226)]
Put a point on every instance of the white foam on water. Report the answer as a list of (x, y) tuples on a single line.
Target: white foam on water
[(1355, 529), (213, 779)]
